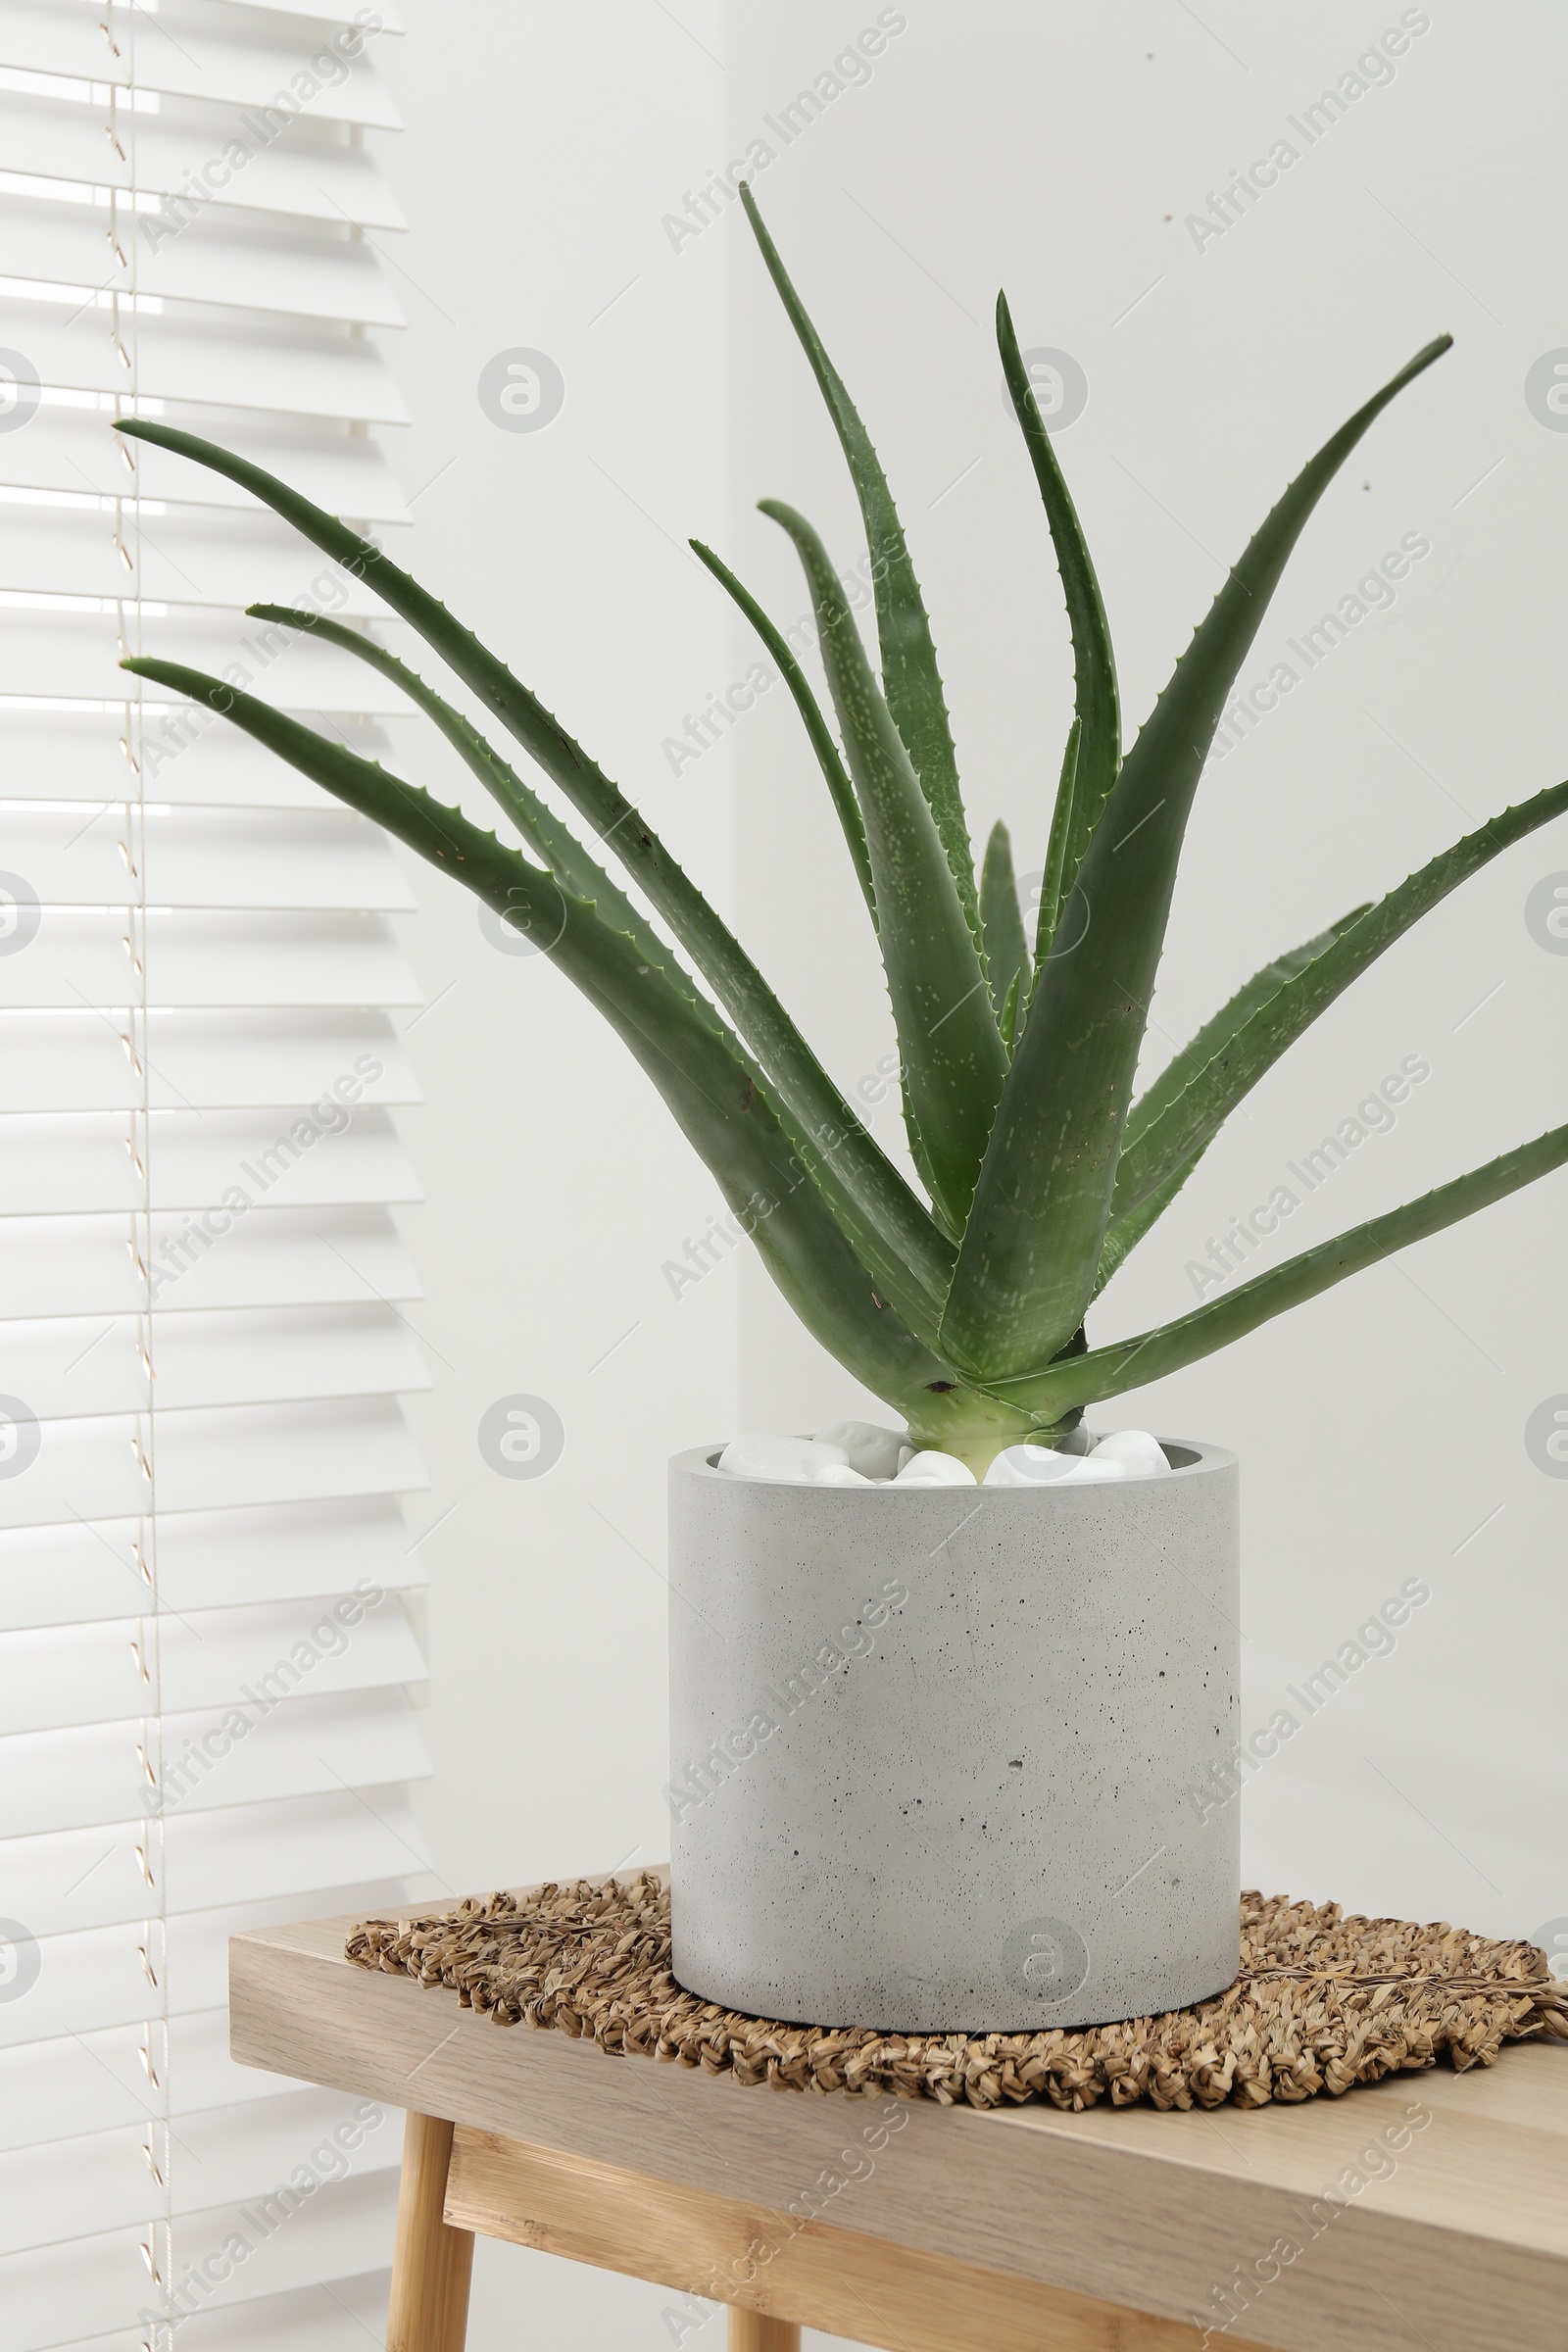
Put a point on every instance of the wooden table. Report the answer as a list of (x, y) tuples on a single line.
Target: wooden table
[(924, 2228)]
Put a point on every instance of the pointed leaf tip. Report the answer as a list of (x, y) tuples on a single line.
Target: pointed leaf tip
[(911, 682), (1001, 922), (827, 752)]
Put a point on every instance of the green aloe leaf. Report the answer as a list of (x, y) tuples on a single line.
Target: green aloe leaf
[(1124, 1233), (1031, 1251), (910, 678), (885, 1198), (1051, 880), (811, 711), (1189, 1102), (1136, 1205), (549, 838), (1215, 1040), (1001, 922), (1097, 720), (1132, 1363), (578, 872), (718, 1097), (953, 1054), (1008, 1022)]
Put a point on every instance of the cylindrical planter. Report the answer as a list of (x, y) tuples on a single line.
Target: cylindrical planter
[(934, 1751)]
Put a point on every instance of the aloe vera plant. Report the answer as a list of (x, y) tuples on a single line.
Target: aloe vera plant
[(964, 1310)]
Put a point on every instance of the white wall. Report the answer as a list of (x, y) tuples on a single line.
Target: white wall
[(540, 150), (1056, 150)]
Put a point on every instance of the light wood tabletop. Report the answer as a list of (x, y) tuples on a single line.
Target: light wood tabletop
[(1430, 2208)]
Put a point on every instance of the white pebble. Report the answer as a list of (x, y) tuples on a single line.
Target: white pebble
[(763, 1456), (1140, 1455), (870, 1449), (1087, 1470), (858, 1454), (1030, 1466), (935, 1470)]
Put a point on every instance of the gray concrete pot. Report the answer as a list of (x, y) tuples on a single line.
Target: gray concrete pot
[(932, 1747)]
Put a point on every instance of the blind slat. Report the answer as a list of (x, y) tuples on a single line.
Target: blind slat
[(309, 177), (200, 1060), (99, 1972), (321, 11), (68, 452), (195, 958), (206, 52), (196, 556), (241, 364), (329, 859), (72, 657), (63, 2295), (103, 2183), (77, 1162), (66, 1366), (268, 1257), (86, 1570), (79, 2084), (304, 1748), (80, 1879), (90, 1675), (242, 260), (234, 1454), (303, 2319)]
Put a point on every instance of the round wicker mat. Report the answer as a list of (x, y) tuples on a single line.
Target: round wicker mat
[(1322, 2003)]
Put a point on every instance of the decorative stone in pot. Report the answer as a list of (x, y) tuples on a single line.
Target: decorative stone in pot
[(931, 1745)]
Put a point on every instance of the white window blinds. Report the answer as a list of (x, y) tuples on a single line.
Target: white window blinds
[(206, 1660)]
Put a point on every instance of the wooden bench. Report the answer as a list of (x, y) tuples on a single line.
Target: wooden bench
[(1429, 2209)]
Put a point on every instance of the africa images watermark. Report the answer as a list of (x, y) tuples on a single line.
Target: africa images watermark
[(775, 1705), (1545, 1435), (187, 722), (21, 1961), (721, 711), (722, 1235), (1545, 912), (1373, 1115), (1373, 69), (807, 2205), (327, 1638), (1222, 1780), (178, 1252), (1374, 592), (261, 2220), (258, 128), (1231, 2298), (851, 70), (522, 1436)]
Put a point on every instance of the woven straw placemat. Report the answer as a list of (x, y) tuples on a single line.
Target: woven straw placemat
[(1322, 2003)]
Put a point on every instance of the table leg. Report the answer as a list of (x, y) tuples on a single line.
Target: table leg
[(756, 2332), (431, 2264)]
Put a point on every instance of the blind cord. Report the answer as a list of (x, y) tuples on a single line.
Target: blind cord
[(124, 336)]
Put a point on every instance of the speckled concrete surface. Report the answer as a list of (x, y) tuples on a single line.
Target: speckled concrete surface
[(931, 1747)]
